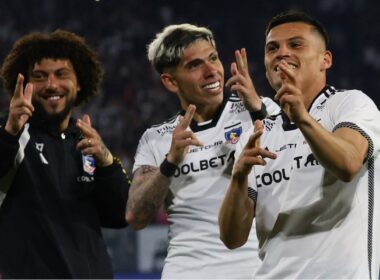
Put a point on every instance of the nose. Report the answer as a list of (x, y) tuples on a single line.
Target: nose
[(283, 51), (51, 82), (210, 69)]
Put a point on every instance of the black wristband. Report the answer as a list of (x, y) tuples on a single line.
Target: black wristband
[(261, 114), (168, 169)]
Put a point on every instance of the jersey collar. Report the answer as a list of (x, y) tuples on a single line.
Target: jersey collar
[(195, 127)]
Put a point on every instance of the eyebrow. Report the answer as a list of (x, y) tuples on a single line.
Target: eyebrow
[(56, 70), (287, 40), (197, 59)]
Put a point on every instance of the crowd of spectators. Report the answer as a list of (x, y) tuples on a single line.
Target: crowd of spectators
[(133, 99)]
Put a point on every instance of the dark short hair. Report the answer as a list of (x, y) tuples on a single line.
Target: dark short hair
[(60, 44), (298, 16)]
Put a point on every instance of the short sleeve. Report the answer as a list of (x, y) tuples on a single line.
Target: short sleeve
[(271, 106), (144, 154), (356, 110)]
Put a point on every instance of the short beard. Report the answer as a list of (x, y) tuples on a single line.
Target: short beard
[(51, 120)]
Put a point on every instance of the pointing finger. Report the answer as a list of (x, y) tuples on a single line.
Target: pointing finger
[(19, 86), (253, 138), (186, 120), (239, 60), (28, 92), (286, 74), (244, 60), (86, 119), (258, 127)]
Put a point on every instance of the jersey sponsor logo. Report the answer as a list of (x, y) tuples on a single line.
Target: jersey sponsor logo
[(168, 128), (237, 107), (284, 147), (88, 164), (205, 147), (232, 136), (204, 164), (40, 148), (277, 176)]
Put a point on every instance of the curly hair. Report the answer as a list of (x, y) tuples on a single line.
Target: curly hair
[(60, 44)]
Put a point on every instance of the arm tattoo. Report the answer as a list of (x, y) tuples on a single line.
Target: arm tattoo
[(148, 192), (105, 151), (148, 169)]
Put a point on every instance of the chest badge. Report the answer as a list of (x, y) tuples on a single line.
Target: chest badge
[(88, 164), (232, 136)]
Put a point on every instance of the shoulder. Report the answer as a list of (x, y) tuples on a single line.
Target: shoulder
[(233, 105), (349, 97), (161, 129)]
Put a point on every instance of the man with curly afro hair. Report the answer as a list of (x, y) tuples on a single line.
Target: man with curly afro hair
[(59, 183)]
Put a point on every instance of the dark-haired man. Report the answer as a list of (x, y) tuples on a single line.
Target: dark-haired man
[(311, 181), (59, 183)]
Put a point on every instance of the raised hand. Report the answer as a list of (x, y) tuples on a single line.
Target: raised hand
[(20, 108), (241, 82), (182, 138), (289, 95), (92, 143), (252, 153)]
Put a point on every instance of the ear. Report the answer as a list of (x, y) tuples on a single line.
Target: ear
[(169, 82), (327, 60)]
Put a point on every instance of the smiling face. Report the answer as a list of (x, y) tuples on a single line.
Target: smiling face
[(303, 49), (55, 87), (199, 77)]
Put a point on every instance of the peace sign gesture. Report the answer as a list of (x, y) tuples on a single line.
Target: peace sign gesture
[(182, 138), (289, 95), (252, 154), (20, 108), (241, 82)]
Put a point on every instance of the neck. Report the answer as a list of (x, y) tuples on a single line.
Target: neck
[(205, 113), (56, 123), (311, 92)]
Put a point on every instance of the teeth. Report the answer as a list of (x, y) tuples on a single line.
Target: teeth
[(212, 86), (290, 65), (56, 97)]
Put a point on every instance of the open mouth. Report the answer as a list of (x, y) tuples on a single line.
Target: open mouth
[(53, 97), (291, 66), (212, 86)]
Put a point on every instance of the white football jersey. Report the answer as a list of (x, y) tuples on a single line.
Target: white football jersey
[(309, 223), (197, 190)]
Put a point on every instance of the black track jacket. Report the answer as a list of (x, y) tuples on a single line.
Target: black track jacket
[(52, 206)]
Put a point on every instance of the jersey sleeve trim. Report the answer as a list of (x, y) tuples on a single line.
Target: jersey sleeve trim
[(252, 194), (361, 131)]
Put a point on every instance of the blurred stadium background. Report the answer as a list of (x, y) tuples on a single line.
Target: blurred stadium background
[(132, 97)]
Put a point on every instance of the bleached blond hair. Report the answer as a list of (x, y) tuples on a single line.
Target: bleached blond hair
[(166, 49)]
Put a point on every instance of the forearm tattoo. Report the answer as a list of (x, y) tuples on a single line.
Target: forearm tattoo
[(150, 189), (104, 150), (148, 169)]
